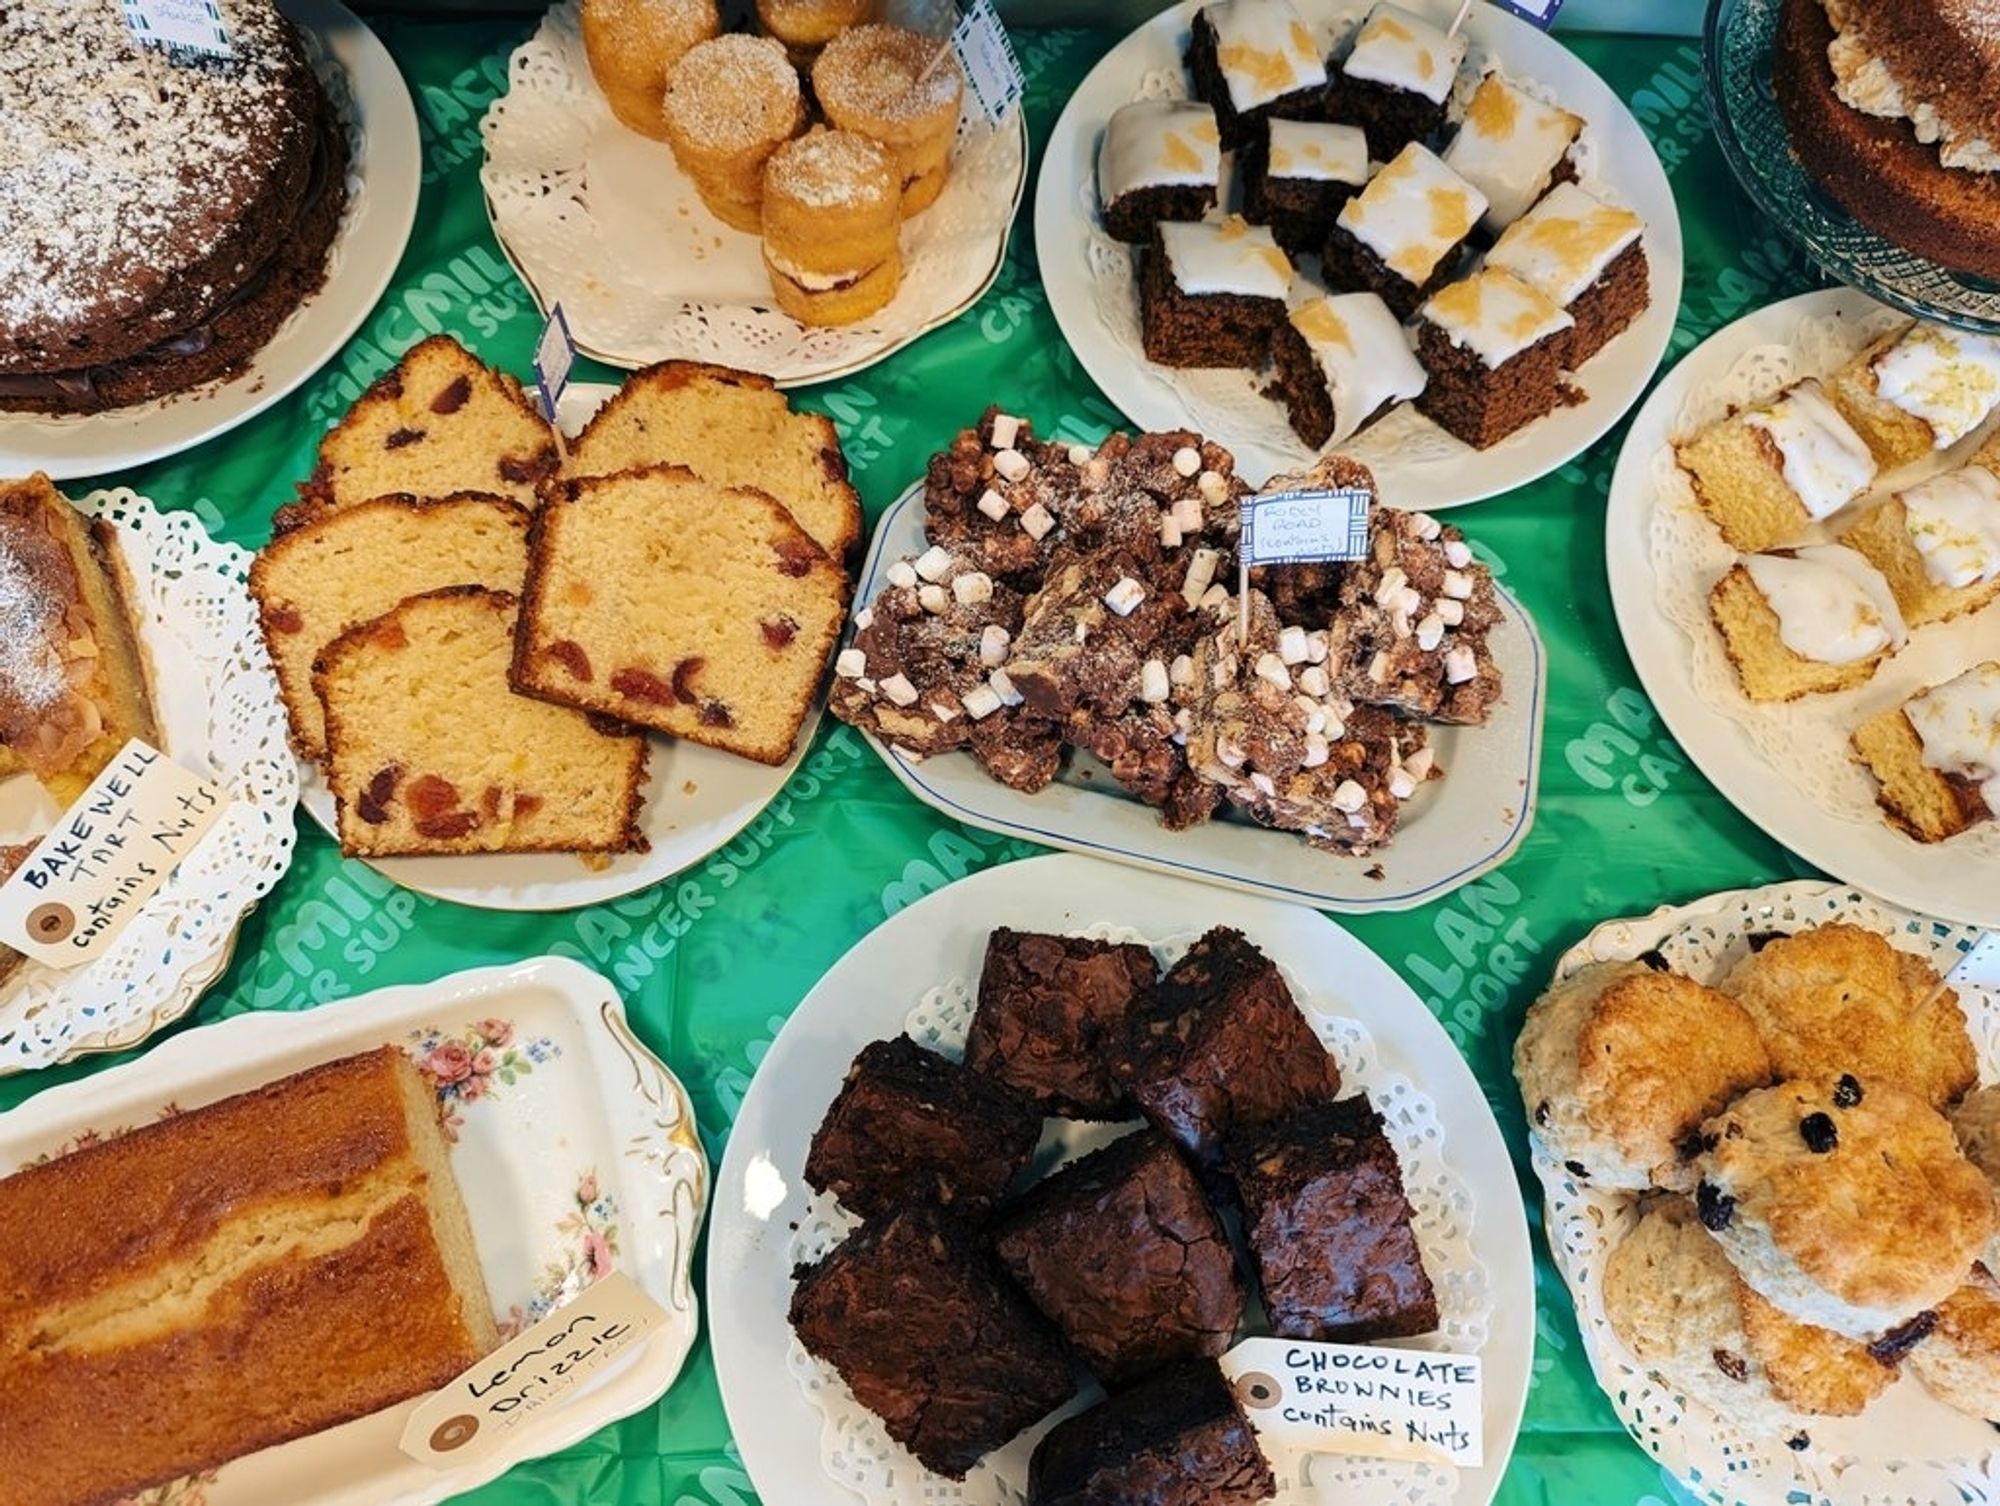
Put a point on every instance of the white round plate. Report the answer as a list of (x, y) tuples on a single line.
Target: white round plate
[(1906, 1447), (1417, 463), (1865, 850), (1452, 830), (762, 1202), (576, 1149), (382, 180), (695, 800), (602, 220), (216, 700)]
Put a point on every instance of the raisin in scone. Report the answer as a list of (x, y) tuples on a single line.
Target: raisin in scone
[(1618, 1062), (1959, 1358), (1844, 1205), (1674, 1300), (1842, 999)]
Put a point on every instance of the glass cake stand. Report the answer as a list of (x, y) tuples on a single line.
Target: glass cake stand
[(1736, 51)]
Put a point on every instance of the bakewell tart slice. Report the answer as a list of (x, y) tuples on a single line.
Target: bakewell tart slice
[(73, 676)]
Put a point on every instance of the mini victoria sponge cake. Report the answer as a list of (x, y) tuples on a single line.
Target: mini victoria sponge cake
[(1619, 1062), (1847, 1208)]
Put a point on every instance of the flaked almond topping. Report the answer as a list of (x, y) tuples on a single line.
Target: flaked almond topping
[(897, 687)]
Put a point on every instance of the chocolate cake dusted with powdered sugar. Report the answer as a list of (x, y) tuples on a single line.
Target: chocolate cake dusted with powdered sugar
[(164, 213)]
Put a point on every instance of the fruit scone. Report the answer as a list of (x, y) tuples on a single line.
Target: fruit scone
[(441, 422), (1620, 1062), (924, 672), (1959, 1360), (1844, 1205), (1936, 757), (1805, 621), (669, 602), (1938, 543), (1841, 999), (1675, 1301), (1288, 749)]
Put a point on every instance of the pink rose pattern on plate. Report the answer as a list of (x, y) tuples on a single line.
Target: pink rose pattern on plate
[(590, 1230), (474, 1063), (92, 1137)]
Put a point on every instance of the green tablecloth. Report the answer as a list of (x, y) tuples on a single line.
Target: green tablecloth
[(711, 965)]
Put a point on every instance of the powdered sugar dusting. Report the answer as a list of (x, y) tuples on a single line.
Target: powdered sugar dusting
[(830, 168), (118, 165), (31, 670), (734, 92), (887, 72)]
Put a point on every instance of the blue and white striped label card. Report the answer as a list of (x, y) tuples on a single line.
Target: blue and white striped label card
[(1285, 528), (1541, 12), (986, 56), (179, 25)]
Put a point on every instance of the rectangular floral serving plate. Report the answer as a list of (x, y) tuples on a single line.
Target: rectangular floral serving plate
[(576, 1149)]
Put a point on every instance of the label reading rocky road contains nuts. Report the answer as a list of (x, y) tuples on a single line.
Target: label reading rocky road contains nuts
[(106, 856), (1360, 1399), (461, 1423)]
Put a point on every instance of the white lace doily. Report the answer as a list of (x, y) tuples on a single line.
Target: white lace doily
[(1906, 1447), (1805, 741), (218, 706), (602, 220), (855, 1449), (1232, 402)]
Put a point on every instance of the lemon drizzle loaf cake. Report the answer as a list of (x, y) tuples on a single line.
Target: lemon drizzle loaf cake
[(1764, 473), (1211, 294), (1922, 389), (1493, 346), (1938, 542), (1587, 256), (442, 422), (1513, 148), (1161, 159), (330, 571), (669, 602), (428, 751), (1339, 364), (733, 428), (1396, 80), (73, 677), (231, 1278), (1402, 235), (1802, 621), (1254, 60), (1937, 756), (162, 218), (1297, 177)]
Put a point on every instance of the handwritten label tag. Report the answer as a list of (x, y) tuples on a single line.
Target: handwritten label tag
[(472, 1416), (106, 857), (187, 25), (1284, 528), (986, 56), (1361, 1399), (1541, 12), (1980, 967), (555, 354)]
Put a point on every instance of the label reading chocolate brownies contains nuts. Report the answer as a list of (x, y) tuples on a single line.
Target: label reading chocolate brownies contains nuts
[(107, 855), (460, 1423), (1361, 1399)]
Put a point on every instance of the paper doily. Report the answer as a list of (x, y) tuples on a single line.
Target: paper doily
[(1233, 402), (602, 220), (856, 1450), (218, 702), (1906, 1447), (1804, 741)]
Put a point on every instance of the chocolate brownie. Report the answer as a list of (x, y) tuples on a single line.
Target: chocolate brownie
[(1329, 1228), (929, 1338), (908, 1124), (1211, 294), (1052, 1012), (1254, 60), (1221, 1045), (1494, 348), (1297, 175), (1177, 1439), (1123, 1254)]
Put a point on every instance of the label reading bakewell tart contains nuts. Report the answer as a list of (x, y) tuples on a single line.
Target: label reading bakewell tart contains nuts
[(1367, 1399), (460, 1423), (106, 856)]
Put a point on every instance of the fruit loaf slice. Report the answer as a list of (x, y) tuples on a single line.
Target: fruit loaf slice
[(733, 428), (442, 422), (430, 752), (664, 600), (327, 571)]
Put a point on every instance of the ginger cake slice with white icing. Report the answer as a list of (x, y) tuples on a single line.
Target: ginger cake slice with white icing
[(1396, 80), (1254, 60), (1493, 346), (1402, 236), (1212, 294), (1588, 256), (1161, 159)]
